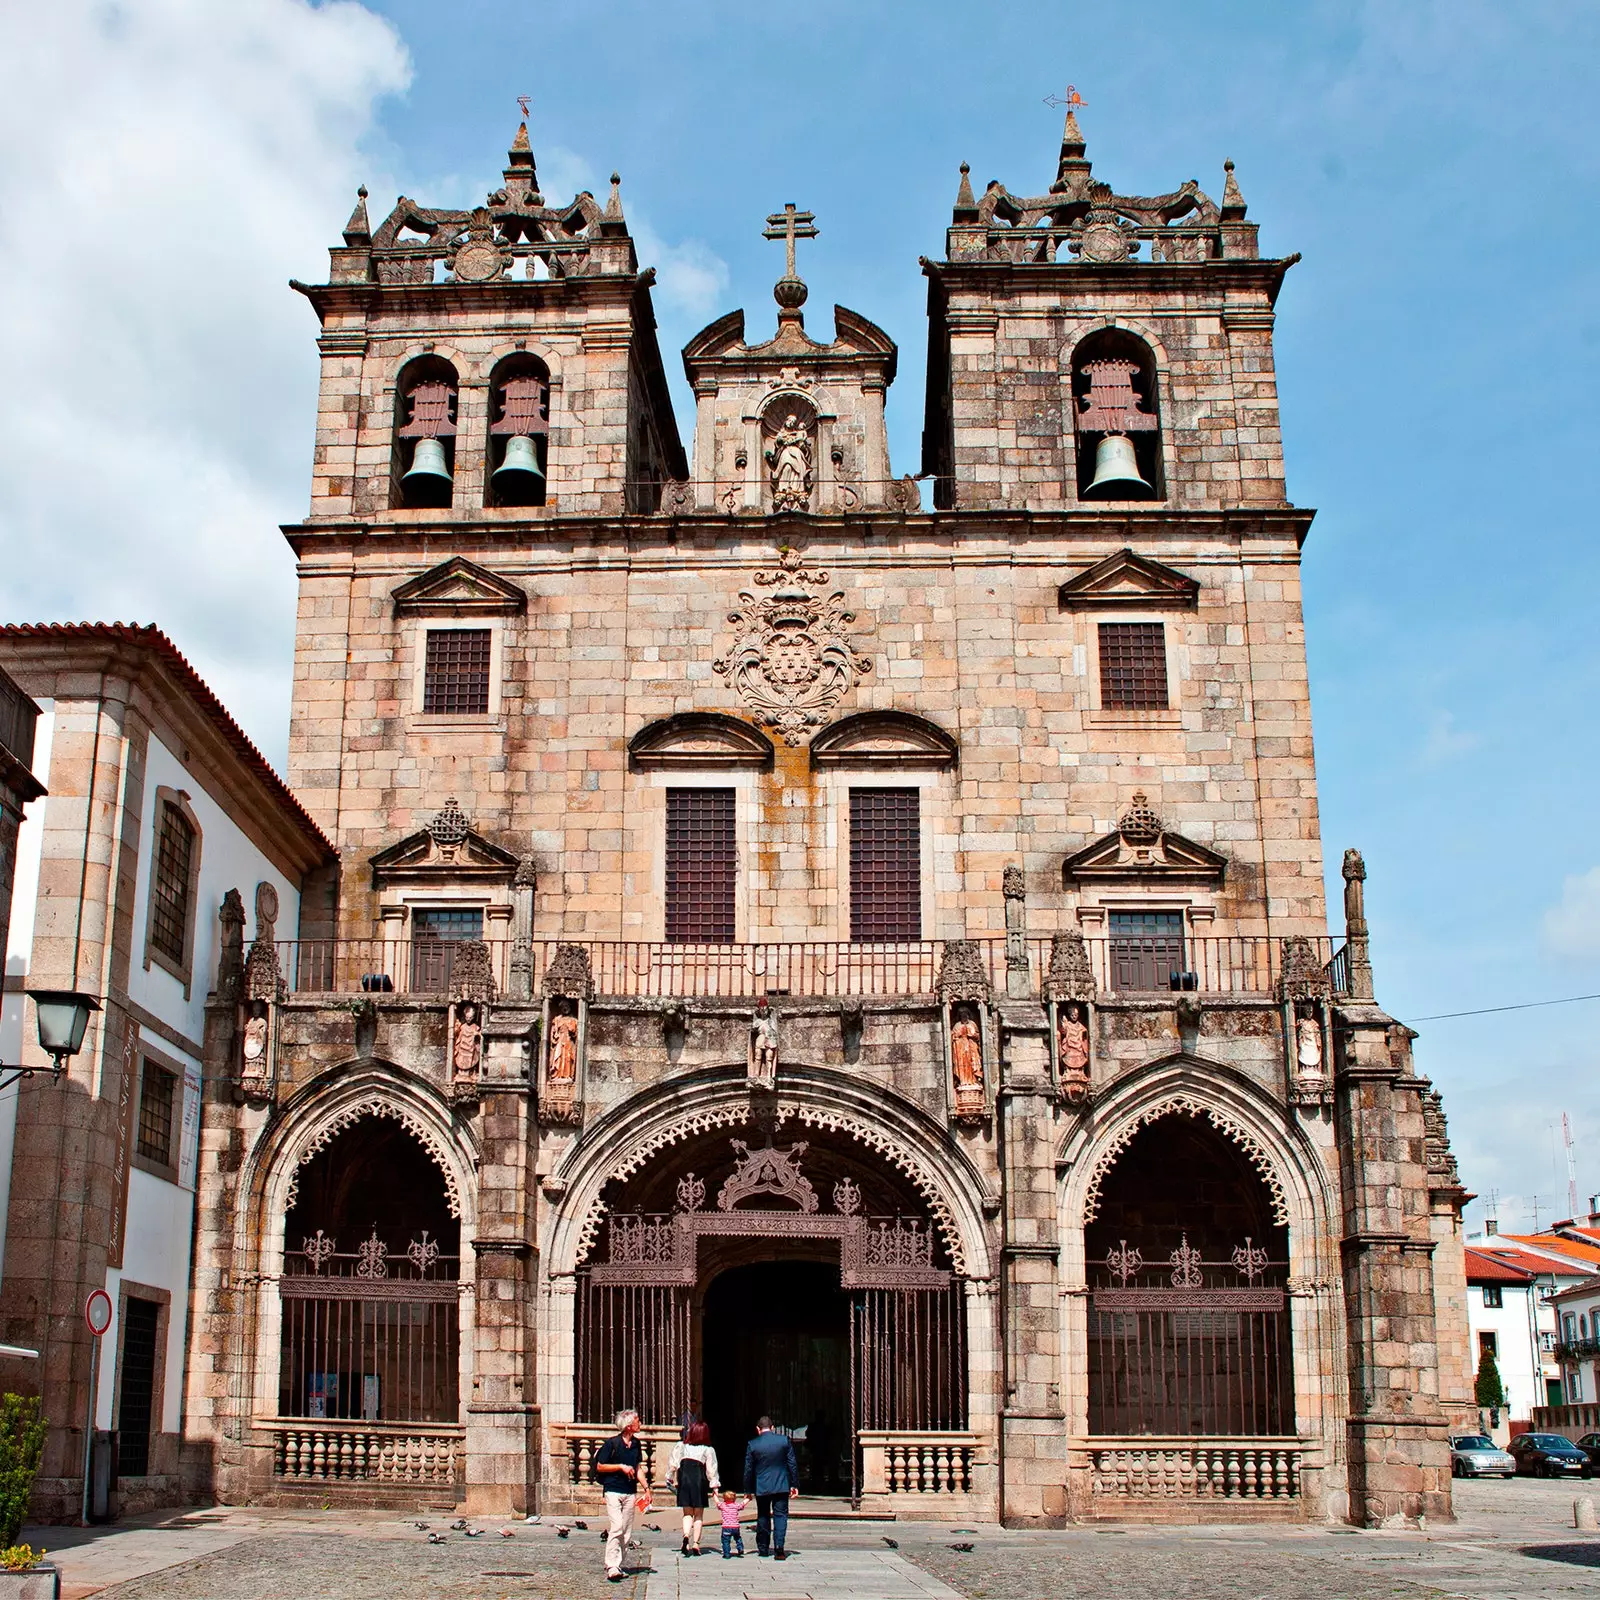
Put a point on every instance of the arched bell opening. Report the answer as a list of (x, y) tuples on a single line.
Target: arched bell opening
[(1189, 1330), (1116, 418), (371, 1283), (424, 453), (519, 432), (744, 1274)]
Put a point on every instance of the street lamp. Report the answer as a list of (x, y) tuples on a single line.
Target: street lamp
[(63, 1018)]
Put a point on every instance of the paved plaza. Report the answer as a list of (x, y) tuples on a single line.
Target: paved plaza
[(1513, 1541)]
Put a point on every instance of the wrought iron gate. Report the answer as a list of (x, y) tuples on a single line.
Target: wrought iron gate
[(633, 1344)]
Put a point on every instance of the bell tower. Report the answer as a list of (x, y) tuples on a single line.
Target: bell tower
[(1088, 348)]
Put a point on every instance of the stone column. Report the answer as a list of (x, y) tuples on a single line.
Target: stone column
[(502, 1414), (1033, 1437), (1019, 983), (1399, 1461), (522, 888)]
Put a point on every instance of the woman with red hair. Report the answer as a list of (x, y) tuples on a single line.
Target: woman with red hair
[(692, 1476)]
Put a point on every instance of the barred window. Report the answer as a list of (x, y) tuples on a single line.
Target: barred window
[(1133, 666), (169, 904), (156, 1093), (702, 866), (885, 865), (455, 674)]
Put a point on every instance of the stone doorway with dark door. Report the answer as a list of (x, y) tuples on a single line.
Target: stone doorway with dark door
[(775, 1341)]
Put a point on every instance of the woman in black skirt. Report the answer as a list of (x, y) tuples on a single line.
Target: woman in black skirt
[(692, 1476)]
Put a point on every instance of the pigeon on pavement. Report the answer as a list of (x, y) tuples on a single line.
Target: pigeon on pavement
[(893, 1544), (961, 1549)]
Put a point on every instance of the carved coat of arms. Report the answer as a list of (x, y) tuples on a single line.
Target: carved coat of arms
[(792, 660)]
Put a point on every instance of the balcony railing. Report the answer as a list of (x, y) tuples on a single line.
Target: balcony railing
[(654, 970)]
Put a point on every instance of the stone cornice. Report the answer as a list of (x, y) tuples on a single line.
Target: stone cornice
[(1082, 281)]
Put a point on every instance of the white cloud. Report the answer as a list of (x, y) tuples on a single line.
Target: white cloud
[(691, 278), (1445, 741), (1572, 928), (166, 166)]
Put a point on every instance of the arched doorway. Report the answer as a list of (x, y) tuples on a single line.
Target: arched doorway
[(1188, 1329), (371, 1287), (754, 1274)]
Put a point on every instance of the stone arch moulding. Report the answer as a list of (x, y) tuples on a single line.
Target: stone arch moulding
[(628, 1137), (323, 1113), (884, 739), (699, 739), (1131, 325)]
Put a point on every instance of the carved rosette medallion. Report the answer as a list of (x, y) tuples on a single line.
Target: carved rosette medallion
[(792, 660)]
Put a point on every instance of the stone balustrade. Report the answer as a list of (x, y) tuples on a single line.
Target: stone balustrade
[(575, 1444), (915, 1462), (1151, 1469), (313, 1451)]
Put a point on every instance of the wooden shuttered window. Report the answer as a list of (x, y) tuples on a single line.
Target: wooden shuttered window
[(885, 865), (702, 866), (455, 673), (1133, 666)]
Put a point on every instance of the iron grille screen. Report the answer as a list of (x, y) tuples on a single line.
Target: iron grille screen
[(435, 934), (455, 674), (1146, 949), (139, 1322), (885, 865), (702, 866), (1133, 666), (155, 1113), (169, 907)]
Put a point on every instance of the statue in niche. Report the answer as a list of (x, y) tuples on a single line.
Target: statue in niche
[(468, 1042), (1072, 1043), (561, 1069), (789, 457), (966, 1055), (1308, 1041), (255, 1040), (764, 1046)]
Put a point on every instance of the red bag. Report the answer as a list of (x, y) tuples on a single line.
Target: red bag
[(644, 1502)]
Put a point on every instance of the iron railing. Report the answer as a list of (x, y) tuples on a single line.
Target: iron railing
[(1227, 964)]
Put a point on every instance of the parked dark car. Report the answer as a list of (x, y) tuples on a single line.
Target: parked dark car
[(1549, 1455), (1590, 1445)]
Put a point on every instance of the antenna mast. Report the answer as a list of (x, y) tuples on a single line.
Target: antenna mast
[(1572, 1167)]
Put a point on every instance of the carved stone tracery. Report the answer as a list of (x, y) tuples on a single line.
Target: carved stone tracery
[(351, 1114)]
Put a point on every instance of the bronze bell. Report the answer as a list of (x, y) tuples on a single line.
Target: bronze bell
[(428, 469), (1116, 471), (520, 474)]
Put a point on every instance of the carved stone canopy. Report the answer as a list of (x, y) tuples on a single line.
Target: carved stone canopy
[(962, 974), (1304, 976), (447, 850), (1141, 850), (568, 975), (696, 740), (472, 972), (884, 739), (1127, 579), (459, 587), (1071, 977)]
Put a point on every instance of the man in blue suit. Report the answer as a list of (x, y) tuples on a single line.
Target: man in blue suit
[(772, 1475)]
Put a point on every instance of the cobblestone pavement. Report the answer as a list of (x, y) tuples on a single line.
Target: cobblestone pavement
[(1513, 1541)]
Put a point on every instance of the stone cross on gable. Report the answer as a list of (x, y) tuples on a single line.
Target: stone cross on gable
[(790, 225)]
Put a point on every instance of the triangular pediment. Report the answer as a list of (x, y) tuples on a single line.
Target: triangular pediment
[(459, 587), (1166, 858), (422, 858), (699, 739), (1126, 579), (884, 739)]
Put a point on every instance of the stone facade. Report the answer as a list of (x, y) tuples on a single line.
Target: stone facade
[(1119, 933)]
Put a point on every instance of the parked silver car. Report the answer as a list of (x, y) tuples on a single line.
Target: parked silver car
[(1476, 1455)]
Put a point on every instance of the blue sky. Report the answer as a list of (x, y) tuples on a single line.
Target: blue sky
[(1434, 161)]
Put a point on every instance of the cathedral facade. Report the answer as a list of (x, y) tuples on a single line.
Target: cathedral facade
[(793, 951)]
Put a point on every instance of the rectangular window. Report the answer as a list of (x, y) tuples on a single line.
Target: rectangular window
[(702, 866), (156, 1094), (136, 1414), (455, 673), (1488, 1344), (169, 905), (1491, 1297), (1146, 949), (1133, 666), (436, 934), (885, 865)]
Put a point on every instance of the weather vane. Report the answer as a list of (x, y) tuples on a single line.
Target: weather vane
[(1072, 100), (522, 100)]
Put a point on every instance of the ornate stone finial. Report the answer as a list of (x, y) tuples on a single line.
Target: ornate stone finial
[(358, 231), (526, 875), (568, 974), (966, 202), (1442, 1169), (230, 960), (448, 829), (962, 974), (1072, 135), (472, 972), (1304, 977), (1071, 976), (1011, 882), (1233, 207), (1140, 824), (521, 152), (614, 204), (1355, 875)]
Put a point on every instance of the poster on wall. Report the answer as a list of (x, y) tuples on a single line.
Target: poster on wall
[(189, 1141)]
